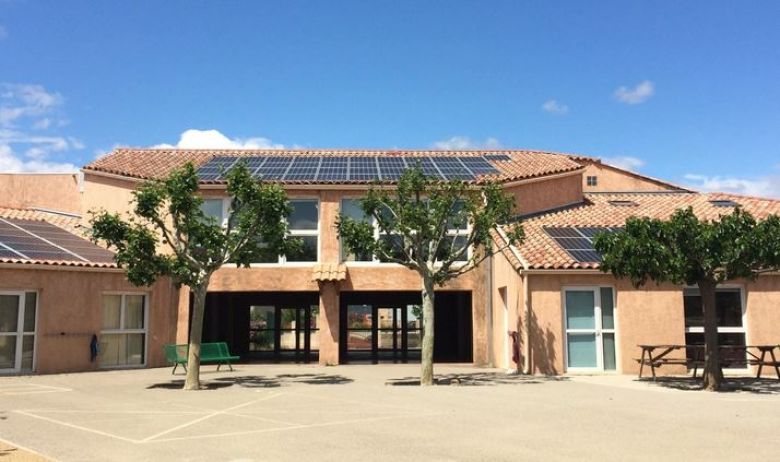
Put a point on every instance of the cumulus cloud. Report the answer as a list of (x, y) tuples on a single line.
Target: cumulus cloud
[(460, 143), (554, 107), (214, 139), (25, 107), (636, 95), (625, 162), (762, 186)]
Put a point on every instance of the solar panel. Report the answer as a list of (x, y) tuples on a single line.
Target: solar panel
[(62, 238), (391, 168), (452, 168), (578, 242), (274, 167), (333, 169), (497, 157), (303, 168), (478, 165), (363, 169), (5, 253), (213, 169), (30, 246), (426, 165)]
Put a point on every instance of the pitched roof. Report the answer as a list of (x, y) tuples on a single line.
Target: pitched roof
[(540, 251), (158, 163), (44, 228)]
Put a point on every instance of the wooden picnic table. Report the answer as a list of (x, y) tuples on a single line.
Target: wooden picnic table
[(756, 357)]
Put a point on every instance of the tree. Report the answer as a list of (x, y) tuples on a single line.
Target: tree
[(686, 250), (169, 235), (439, 229)]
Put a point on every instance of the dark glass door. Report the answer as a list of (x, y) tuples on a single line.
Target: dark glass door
[(284, 332), (386, 332)]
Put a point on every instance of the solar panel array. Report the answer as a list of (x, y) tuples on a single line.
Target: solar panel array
[(340, 169), (38, 240), (578, 242)]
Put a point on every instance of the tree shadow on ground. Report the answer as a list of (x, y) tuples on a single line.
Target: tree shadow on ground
[(478, 379), (258, 381), (764, 386)]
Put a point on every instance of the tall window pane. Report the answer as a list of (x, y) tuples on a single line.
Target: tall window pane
[(304, 215), (9, 313), (213, 208), (30, 302), (607, 308), (134, 315), (112, 309)]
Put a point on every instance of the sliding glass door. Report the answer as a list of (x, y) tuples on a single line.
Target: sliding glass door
[(590, 329), (17, 331)]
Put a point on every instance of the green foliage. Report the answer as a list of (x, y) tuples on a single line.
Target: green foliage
[(686, 250), (169, 235), (414, 220)]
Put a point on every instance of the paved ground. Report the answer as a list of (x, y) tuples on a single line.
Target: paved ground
[(303, 413)]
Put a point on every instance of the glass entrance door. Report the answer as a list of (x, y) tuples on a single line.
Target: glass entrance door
[(284, 333), (590, 329), (17, 331), (389, 332)]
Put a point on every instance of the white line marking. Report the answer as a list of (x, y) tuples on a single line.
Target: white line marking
[(25, 448), (296, 427), (86, 411), (208, 416), (78, 427)]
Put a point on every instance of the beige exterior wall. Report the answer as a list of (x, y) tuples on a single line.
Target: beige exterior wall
[(613, 179), (545, 194), (101, 192), (70, 312), (507, 309), (653, 314), (58, 192)]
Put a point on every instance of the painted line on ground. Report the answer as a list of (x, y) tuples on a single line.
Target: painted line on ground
[(78, 427), (25, 448)]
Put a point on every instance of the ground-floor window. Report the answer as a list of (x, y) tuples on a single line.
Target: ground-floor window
[(123, 333), (18, 312), (284, 331), (730, 313), (590, 328)]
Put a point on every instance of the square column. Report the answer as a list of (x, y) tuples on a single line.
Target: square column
[(329, 323)]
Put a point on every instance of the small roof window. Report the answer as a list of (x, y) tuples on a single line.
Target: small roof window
[(623, 203), (724, 203)]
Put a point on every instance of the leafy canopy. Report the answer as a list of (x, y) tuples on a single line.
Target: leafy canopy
[(686, 250), (195, 245), (430, 226)]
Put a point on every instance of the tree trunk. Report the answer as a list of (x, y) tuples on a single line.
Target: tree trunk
[(426, 375), (713, 375), (196, 333)]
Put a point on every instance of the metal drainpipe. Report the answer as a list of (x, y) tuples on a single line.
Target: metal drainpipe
[(489, 302), (527, 324)]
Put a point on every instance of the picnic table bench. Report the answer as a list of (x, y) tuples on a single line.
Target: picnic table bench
[(216, 352), (756, 357)]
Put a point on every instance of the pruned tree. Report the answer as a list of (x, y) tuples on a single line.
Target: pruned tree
[(439, 229), (687, 250), (168, 234)]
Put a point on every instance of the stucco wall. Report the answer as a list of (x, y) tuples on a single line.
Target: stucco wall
[(507, 309), (653, 314), (612, 179), (547, 193), (50, 191), (69, 302), (102, 192)]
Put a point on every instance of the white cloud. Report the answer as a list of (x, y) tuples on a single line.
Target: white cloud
[(761, 186), (625, 162), (636, 95), (461, 143), (25, 107), (554, 107), (214, 139)]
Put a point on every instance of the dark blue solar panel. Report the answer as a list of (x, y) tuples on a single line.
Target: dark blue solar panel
[(391, 168), (363, 169), (578, 242), (303, 168), (478, 165), (213, 169), (274, 167), (591, 232), (333, 169), (497, 157), (452, 168), (426, 164)]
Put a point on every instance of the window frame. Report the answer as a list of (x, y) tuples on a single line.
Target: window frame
[(122, 331), (598, 330), (726, 329), (20, 333)]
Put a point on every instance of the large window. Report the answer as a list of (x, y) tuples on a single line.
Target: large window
[(17, 330), (457, 236), (123, 335), (590, 328), (731, 328)]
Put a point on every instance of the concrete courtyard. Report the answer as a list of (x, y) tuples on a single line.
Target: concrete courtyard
[(344, 413)]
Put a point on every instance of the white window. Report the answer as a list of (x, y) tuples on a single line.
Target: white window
[(215, 208), (123, 333), (589, 316), (730, 311), (457, 235), (18, 312)]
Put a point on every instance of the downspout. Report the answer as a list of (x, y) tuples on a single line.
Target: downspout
[(489, 302)]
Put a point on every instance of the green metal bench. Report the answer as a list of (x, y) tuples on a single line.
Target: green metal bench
[(209, 353)]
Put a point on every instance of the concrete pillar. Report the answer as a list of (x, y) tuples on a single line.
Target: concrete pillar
[(329, 323), (183, 318)]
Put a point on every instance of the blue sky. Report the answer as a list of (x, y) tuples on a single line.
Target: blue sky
[(686, 91)]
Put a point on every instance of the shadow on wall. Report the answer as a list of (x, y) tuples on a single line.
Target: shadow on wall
[(543, 343), (257, 381)]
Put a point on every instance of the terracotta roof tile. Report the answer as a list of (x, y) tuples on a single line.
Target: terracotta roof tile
[(541, 251), (158, 163), (329, 272)]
